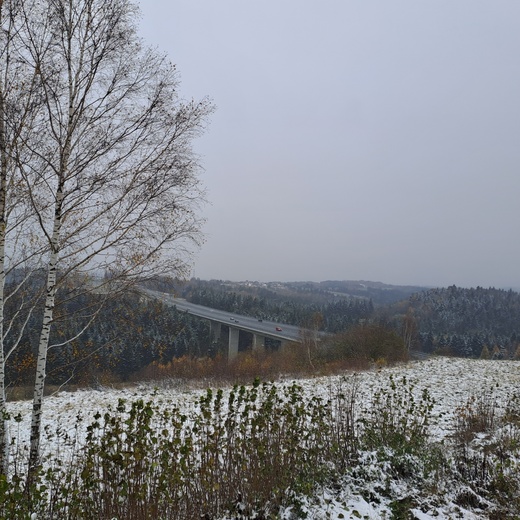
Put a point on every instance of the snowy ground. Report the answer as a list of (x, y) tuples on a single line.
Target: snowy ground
[(450, 381)]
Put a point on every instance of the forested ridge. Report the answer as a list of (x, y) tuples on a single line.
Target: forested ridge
[(463, 321), (130, 333)]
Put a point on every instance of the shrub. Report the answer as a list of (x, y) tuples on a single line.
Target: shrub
[(369, 342), (486, 451), (249, 451), (396, 425)]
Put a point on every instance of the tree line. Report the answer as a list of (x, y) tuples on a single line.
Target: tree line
[(464, 321), (129, 334)]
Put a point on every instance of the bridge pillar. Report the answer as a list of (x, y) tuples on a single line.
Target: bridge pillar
[(283, 344), (233, 343), (215, 328), (258, 341)]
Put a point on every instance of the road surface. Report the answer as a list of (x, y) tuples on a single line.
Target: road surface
[(238, 321)]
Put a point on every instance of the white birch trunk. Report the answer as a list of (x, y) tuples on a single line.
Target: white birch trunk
[(4, 441), (41, 363), (4, 432)]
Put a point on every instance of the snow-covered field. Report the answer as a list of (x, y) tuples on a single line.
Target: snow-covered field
[(450, 381)]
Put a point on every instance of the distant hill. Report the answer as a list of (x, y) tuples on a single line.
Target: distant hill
[(380, 293), (308, 292)]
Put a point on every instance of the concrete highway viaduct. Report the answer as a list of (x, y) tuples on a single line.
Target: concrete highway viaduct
[(260, 329)]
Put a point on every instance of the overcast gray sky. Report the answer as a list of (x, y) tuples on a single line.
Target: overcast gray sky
[(354, 139)]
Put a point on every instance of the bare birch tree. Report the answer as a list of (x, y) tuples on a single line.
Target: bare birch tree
[(20, 251), (409, 330), (107, 168), (310, 337)]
